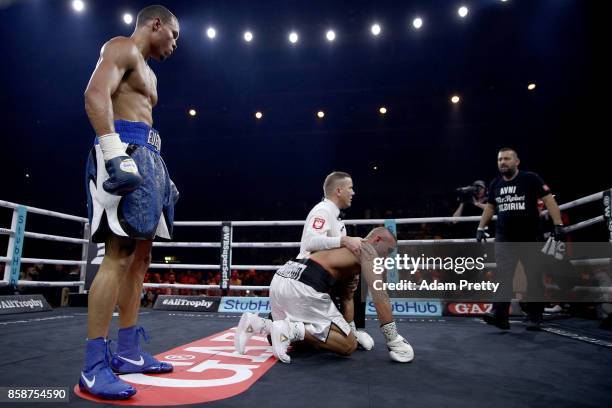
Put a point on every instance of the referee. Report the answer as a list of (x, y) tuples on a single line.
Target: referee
[(514, 197), (324, 229)]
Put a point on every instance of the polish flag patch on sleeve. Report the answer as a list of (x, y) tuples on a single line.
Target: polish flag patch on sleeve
[(318, 223)]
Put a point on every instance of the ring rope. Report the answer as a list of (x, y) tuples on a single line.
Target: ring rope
[(5, 231), (36, 210)]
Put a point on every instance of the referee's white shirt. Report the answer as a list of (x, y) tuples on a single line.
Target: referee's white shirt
[(323, 229)]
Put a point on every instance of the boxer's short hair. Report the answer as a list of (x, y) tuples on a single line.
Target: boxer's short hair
[(150, 12), (382, 230)]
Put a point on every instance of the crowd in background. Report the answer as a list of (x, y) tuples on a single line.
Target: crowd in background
[(55, 296), (58, 296), (249, 277)]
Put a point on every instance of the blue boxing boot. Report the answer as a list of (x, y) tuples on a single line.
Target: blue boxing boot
[(97, 378), (129, 358)]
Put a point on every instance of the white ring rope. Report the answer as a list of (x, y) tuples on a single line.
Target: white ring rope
[(577, 262), (399, 221), (567, 229), (201, 287), (376, 221), (580, 201), (36, 235), (265, 244), (584, 224), (591, 261), (55, 238), (49, 284), (596, 289), (427, 220), (46, 261), (234, 244), (187, 244), (34, 210), (184, 266), (570, 228), (214, 267)]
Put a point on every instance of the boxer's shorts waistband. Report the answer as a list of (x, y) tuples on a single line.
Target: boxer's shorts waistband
[(138, 133), (315, 276)]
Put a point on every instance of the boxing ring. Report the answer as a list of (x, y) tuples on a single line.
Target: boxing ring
[(13, 243), (458, 359)]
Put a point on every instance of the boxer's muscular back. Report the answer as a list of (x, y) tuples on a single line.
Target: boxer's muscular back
[(340, 262)]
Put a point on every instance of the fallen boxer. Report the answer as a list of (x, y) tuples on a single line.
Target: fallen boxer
[(302, 308)]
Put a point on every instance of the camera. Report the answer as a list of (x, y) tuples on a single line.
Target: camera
[(466, 194)]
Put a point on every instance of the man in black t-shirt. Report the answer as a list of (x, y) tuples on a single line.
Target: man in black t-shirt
[(514, 197)]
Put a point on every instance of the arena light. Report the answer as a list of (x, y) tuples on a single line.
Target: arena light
[(211, 32), (127, 18), (375, 29), (417, 23), (531, 86), (248, 36), (78, 5), (382, 110), (330, 35), (375, 168), (258, 115), (455, 99), (463, 11), (192, 112), (320, 114), (293, 37)]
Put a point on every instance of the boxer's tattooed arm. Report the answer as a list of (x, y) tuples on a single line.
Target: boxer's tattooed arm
[(380, 298), (367, 256)]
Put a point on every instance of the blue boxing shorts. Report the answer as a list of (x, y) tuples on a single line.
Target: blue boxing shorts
[(146, 212)]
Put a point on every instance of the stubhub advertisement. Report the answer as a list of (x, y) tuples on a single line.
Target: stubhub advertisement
[(400, 307), (237, 304), (408, 307)]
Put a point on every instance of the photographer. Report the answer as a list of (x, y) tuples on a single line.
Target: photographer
[(473, 199)]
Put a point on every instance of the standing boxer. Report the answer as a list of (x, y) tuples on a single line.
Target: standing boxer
[(130, 197)]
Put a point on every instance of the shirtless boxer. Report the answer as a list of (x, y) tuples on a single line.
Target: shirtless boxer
[(303, 310), (130, 197)]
